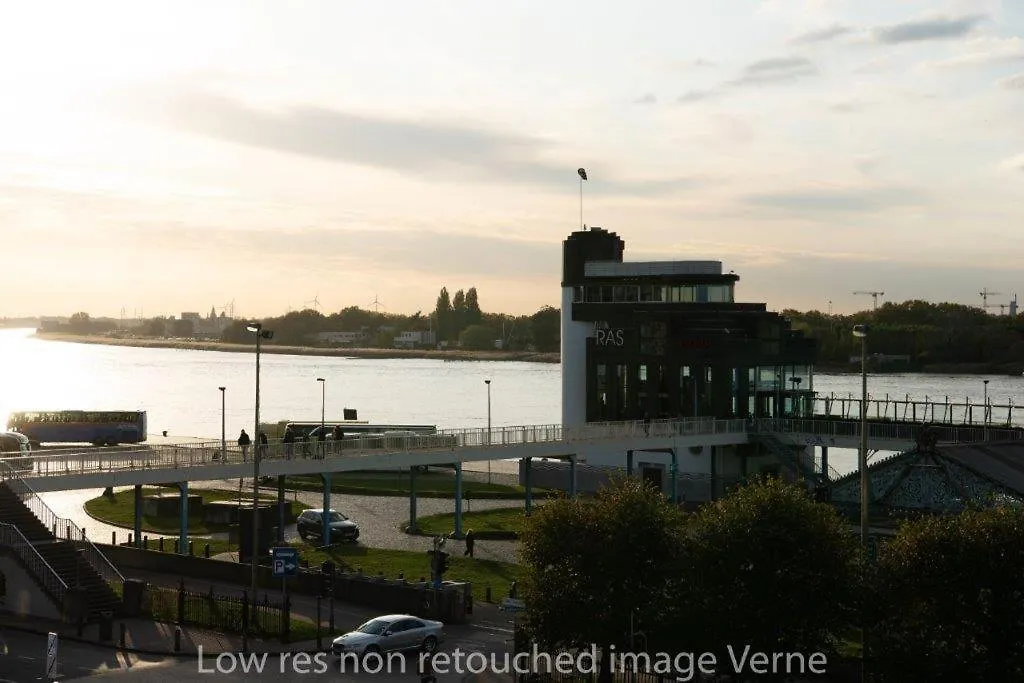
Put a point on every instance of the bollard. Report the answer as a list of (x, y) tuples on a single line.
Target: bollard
[(113, 538), (190, 552), (161, 544), (487, 595), (206, 551), (131, 538), (401, 576), (123, 635), (145, 542), (177, 639)]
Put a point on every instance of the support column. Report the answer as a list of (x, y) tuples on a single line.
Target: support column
[(824, 463), (629, 463), (137, 526), (326, 530), (412, 498), (280, 509), (527, 462), (458, 500), (572, 476), (183, 532)]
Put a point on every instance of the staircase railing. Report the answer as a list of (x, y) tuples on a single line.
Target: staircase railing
[(789, 458), (12, 538), (60, 525)]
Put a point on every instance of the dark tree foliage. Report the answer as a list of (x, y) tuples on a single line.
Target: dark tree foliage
[(949, 600), (443, 312), (473, 313), (546, 327), (591, 563), (769, 567)]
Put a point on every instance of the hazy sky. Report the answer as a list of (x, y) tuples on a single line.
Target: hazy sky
[(161, 157)]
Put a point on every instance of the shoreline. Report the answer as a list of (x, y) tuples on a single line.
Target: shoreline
[(1010, 370), (435, 354)]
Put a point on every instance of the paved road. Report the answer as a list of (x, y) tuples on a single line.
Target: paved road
[(23, 658)]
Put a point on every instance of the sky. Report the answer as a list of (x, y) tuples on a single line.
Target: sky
[(160, 157)]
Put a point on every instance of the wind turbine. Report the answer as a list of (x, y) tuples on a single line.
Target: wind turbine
[(315, 302), (376, 304)]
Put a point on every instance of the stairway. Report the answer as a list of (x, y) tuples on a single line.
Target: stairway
[(790, 459), (69, 561)]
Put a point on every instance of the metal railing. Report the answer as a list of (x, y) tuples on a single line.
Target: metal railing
[(38, 567), (830, 428), (906, 409), (201, 453), (60, 527)]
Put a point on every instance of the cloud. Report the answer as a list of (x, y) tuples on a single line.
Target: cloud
[(986, 50), (939, 28), (649, 98), (854, 200), (775, 70), (849, 106), (440, 150), (697, 96), (1013, 82), (1014, 163), (820, 35)]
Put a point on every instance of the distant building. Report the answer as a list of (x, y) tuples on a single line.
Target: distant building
[(415, 339), (211, 326), (340, 338)]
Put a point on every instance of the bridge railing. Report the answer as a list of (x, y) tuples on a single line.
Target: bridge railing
[(36, 565), (60, 527), (828, 428), (944, 410)]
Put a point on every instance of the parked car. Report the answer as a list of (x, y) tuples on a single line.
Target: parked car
[(310, 525), (390, 633)]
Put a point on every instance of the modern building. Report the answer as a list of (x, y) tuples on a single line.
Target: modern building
[(667, 339)]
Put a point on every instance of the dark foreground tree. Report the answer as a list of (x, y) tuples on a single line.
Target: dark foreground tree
[(950, 600), (591, 564), (770, 568)]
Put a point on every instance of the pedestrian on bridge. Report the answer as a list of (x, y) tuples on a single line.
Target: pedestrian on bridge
[(288, 440), (470, 541), (243, 443)]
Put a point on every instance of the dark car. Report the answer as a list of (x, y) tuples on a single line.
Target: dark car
[(310, 525)]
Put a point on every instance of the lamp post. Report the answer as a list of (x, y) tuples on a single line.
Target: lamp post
[(223, 428), (261, 334), (323, 404), (985, 382), (862, 457), (488, 383)]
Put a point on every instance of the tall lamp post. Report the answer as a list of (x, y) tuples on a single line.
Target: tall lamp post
[(261, 334), (488, 383), (223, 428), (862, 457), (323, 404), (985, 382)]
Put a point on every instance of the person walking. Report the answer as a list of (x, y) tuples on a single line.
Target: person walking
[(263, 445), (288, 440), (243, 443), (470, 541)]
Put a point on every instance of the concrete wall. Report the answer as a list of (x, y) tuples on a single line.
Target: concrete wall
[(24, 596)]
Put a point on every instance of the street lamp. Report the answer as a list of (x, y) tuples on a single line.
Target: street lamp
[(862, 459), (223, 428), (323, 404), (261, 334), (985, 381), (488, 383)]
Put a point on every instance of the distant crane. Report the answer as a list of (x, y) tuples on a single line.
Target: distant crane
[(985, 294), (874, 297)]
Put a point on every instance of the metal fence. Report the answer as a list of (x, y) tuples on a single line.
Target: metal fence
[(37, 566), (218, 612)]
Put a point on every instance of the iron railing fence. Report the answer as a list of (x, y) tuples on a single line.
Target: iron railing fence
[(37, 566)]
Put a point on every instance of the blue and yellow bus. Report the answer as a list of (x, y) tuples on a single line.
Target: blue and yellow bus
[(98, 427)]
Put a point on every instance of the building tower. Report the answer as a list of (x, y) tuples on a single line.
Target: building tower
[(580, 247)]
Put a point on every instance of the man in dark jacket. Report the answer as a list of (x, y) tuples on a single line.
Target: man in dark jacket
[(243, 443)]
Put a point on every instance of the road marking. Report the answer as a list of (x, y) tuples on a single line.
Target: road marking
[(26, 657)]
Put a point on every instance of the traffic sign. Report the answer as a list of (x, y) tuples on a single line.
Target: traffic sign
[(285, 562), (51, 656)]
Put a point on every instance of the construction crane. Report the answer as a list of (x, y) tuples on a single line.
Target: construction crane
[(985, 294), (874, 297)]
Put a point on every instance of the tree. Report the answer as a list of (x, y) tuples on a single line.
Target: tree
[(443, 311), (183, 328), (592, 564), (768, 567), (458, 313), (545, 329), (477, 338), (80, 323), (949, 593), (473, 313)]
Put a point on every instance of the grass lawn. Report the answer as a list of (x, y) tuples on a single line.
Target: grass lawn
[(217, 546), (430, 484), (413, 565), (120, 511), (509, 519)]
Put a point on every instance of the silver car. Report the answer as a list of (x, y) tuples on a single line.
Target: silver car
[(392, 632)]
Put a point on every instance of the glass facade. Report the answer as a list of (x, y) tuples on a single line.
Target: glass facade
[(653, 293)]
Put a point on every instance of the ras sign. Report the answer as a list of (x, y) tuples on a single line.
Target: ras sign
[(608, 337)]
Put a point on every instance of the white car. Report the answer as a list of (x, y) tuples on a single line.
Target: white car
[(389, 633)]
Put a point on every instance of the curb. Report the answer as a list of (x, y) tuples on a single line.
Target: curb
[(140, 650)]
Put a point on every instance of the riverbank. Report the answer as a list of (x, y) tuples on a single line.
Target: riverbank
[(197, 345)]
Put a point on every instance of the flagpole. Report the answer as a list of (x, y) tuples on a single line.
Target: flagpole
[(581, 202)]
